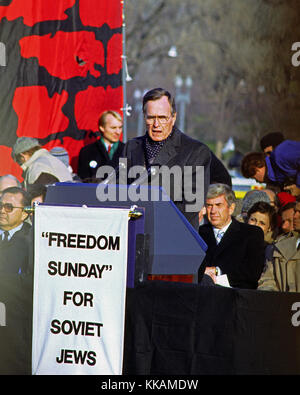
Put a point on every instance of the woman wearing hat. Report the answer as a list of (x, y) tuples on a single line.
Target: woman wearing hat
[(39, 166)]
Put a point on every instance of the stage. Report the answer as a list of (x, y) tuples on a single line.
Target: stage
[(178, 329)]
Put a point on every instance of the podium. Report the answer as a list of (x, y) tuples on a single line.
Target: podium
[(161, 243)]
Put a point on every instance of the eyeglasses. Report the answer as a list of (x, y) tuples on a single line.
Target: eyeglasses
[(8, 207), (162, 119)]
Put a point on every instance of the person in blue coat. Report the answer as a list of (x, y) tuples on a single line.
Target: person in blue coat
[(281, 167)]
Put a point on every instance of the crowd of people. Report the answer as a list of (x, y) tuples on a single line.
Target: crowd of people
[(253, 241)]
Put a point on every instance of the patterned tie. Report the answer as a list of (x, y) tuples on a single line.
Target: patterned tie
[(219, 236)]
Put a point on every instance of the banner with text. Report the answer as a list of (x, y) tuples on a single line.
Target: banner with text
[(60, 68), (79, 290)]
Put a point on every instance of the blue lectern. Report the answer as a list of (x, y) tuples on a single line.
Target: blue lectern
[(165, 242)]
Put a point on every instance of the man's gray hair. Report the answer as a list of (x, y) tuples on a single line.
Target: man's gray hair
[(18, 184), (215, 190), (156, 94)]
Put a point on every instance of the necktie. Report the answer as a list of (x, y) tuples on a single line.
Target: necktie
[(4, 237), (219, 236), (109, 148)]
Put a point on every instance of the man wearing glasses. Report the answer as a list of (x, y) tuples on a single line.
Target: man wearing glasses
[(15, 234), (164, 145)]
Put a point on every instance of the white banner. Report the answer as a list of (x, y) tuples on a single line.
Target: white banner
[(79, 290)]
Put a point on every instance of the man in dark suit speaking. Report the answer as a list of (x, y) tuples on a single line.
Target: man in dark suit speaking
[(165, 147), (235, 249)]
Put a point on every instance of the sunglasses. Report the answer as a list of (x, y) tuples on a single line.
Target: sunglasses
[(8, 207)]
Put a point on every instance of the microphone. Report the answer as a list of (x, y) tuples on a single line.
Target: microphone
[(152, 171), (28, 209), (113, 174)]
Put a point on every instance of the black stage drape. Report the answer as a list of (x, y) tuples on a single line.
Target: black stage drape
[(15, 336), (176, 328)]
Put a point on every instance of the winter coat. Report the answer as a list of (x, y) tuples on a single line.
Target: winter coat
[(282, 272), (43, 162), (284, 162)]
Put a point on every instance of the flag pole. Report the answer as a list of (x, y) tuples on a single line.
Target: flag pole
[(124, 69)]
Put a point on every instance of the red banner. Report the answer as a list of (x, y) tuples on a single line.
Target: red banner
[(60, 67)]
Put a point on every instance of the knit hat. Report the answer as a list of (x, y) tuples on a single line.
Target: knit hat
[(271, 139), (284, 198), (61, 154), (23, 144), (253, 197)]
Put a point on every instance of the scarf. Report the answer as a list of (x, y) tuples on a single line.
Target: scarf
[(152, 148)]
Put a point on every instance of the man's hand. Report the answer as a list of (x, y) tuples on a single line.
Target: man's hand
[(211, 272)]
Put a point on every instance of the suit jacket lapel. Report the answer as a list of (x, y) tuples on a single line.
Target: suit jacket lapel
[(102, 149), (137, 154), (228, 236), (208, 236)]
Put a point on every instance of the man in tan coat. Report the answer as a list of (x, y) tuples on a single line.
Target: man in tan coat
[(282, 271)]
